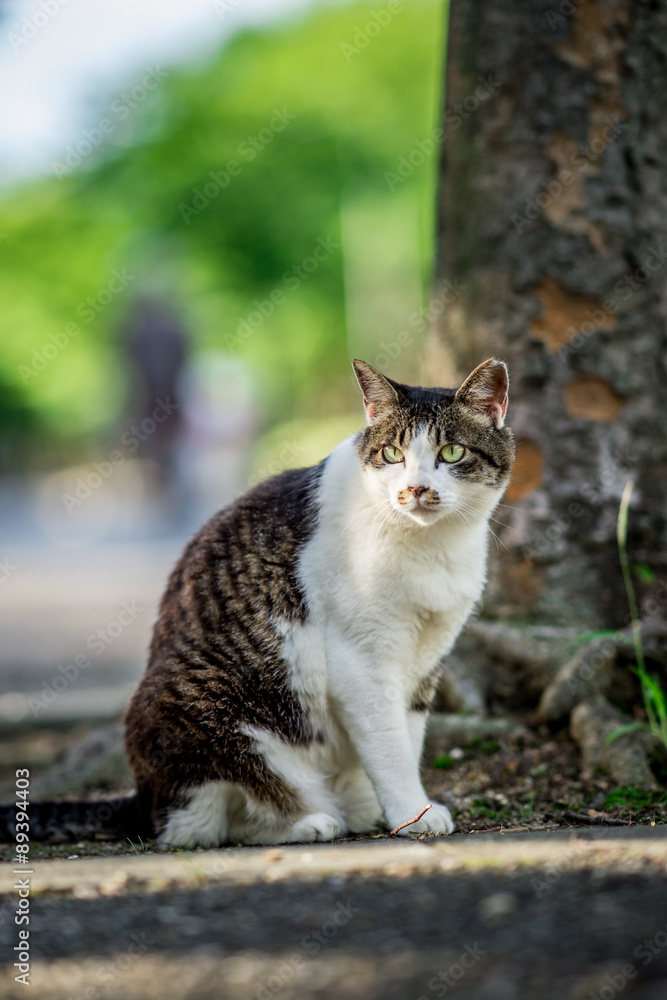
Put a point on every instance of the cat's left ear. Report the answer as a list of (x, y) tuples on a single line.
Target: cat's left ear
[(486, 391), (379, 393)]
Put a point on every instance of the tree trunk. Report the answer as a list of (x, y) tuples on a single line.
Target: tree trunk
[(552, 254)]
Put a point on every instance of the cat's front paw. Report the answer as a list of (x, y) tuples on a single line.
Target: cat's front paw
[(437, 819)]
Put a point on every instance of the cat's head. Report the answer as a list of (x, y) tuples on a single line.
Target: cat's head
[(435, 453)]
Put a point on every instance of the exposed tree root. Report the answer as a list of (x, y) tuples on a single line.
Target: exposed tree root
[(623, 758), (566, 677)]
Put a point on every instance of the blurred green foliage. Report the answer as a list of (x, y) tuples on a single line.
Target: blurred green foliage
[(77, 245)]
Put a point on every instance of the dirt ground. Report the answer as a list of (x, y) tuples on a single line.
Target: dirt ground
[(527, 782)]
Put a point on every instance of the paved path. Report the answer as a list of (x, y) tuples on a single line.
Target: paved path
[(516, 917)]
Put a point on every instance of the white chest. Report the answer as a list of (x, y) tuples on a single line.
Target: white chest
[(385, 600)]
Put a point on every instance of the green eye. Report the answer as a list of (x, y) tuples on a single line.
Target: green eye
[(391, 454), (452, 453)]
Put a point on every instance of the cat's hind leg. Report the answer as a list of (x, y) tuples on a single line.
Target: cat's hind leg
[(320, 816), (219, 812), (313, 827), (201, 818)]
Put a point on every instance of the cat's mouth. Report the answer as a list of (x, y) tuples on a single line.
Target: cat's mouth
[(424, 516), (421, 509)]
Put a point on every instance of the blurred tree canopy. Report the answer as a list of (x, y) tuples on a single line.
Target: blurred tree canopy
[(216, 187)]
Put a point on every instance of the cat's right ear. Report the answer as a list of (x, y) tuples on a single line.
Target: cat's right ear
[(379, 394), (485, 391)]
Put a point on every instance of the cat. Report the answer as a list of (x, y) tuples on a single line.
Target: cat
[(299, 641)]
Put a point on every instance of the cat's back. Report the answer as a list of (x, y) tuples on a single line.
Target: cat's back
[(274, 518), (244, 557)]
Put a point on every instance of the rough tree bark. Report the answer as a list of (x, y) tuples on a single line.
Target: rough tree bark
[(552, 254), (553, 236)]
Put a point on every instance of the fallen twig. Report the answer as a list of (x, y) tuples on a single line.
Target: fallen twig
[(409, 822), (603, 820)]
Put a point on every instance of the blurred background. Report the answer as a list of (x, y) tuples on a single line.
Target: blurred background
[(207, 207)]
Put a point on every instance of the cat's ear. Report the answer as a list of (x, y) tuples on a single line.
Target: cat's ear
[(485, 391), (379, 393)]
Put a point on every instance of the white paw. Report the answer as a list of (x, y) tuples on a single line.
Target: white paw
[(315, 826), (437, 819)]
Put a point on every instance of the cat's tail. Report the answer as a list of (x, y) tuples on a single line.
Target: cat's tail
[(65, 822)]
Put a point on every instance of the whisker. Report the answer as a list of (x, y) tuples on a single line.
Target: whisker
[(363, 511), (383, 522), (461, 504), (498, 540), (379, 514), (463, 508), (460, 516), (510, 527)]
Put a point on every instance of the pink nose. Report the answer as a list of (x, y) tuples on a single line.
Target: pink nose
[(418, 490)]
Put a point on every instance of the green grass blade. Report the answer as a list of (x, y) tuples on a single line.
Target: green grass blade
[(628, 727), (655, 702)]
